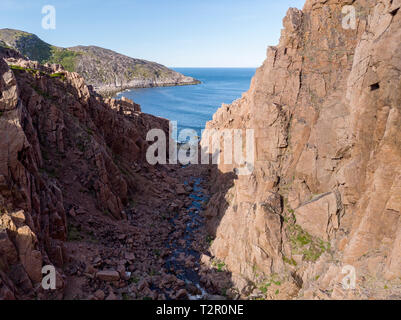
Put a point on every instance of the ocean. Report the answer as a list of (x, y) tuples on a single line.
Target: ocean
[(193, 106)]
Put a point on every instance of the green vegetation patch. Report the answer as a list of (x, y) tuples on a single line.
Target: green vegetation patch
[(30, 70), (74, 234), (210, 240), (219, 265), (311, 248), (35, 49), (271, 283), (31, 46), (290, 261), (65, 57), (57, 75)]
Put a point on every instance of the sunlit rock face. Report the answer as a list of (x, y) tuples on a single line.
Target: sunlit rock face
[(326, 110)]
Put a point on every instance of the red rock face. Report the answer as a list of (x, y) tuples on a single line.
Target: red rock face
[(324, 193), (58, 140), (325, 107)]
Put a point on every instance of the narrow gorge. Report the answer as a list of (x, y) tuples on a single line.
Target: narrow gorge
[(324, 196)]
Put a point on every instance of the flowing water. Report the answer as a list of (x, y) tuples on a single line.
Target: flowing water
[(194, 222)]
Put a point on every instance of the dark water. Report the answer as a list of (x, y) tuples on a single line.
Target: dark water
[(194, 223), (193, 106)]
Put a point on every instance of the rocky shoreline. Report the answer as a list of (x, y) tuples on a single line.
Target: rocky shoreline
[(111, 91)]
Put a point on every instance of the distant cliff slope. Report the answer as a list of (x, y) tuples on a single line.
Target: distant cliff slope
[(106, 70), (326, 190)]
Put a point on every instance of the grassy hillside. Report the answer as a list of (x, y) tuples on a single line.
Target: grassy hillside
[(34, 48), (102, 68)]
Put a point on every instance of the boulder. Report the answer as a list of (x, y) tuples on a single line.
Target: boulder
[(321, 216), (108, 275)]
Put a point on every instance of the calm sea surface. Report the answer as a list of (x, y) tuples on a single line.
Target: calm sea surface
[(193, 106)]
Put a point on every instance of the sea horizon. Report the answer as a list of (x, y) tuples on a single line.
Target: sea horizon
[(193, 106)]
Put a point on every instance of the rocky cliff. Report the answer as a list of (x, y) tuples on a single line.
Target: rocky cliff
[(107, 71), (326, 191), (64, 150)]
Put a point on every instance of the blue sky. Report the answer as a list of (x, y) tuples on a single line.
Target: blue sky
[(176, 33)]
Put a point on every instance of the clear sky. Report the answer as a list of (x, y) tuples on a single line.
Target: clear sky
[(176, 33)]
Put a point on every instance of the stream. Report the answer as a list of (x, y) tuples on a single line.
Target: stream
[(182, 248)]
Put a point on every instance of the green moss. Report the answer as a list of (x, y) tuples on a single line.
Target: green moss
[(291, 261), (74, 234), (265, 287), (303, 243), (13, 67), (22, 69), (58, 75), (219, 265), (209, 240), (271, 283)]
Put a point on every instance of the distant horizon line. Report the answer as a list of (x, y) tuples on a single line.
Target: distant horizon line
[(212, 67)]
